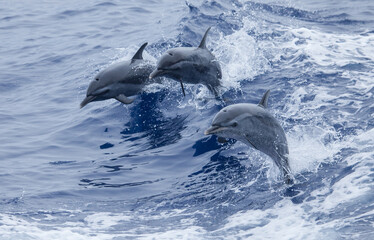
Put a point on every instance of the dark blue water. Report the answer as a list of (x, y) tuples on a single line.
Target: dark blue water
[(146, 171)]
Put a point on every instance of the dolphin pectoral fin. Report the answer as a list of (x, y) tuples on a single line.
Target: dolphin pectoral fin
[(203, 41), (139, 53), (221, 140), (184, 94), (250, 142), (123, 99)]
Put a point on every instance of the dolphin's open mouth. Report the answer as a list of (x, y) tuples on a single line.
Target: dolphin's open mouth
[(87, 100), (214, 129)]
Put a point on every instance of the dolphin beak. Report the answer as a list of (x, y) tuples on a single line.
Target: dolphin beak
[(156, 73), (214, 129), (87, 100)]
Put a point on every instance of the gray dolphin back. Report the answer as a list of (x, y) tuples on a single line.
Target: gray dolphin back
[(274, 140), (263, 132)]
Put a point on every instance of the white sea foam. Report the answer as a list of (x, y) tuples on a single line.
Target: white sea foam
[(331, 49), (240, 57), (307, 149)]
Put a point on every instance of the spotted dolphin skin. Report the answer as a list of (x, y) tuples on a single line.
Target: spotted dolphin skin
[(191, 65), (120, 80), (256, 127)]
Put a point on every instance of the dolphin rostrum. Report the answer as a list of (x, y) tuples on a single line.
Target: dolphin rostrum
[(120, 80), (191, 65), (256, 127)]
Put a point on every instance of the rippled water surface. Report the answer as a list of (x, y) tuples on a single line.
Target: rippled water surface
[(146, 170)]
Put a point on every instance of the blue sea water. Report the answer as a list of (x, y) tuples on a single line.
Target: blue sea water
[(146, 170)]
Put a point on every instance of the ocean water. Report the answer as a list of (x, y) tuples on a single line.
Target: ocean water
[(146, 170)]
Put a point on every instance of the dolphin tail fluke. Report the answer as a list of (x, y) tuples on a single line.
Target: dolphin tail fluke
[(123, 99), (139, 53), (288, 178), (287, 174), (264, 101), (203, 41), (284, 166)]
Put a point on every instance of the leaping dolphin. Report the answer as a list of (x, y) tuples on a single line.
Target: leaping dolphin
[(255, 126), (120, 80), (191, 65)]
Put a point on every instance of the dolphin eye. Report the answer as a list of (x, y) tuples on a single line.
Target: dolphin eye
[(170, 54), (235, 124), (97, 79)]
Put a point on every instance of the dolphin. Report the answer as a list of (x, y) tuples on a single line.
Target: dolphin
[(191, 65), (253, 125), (120, 80)]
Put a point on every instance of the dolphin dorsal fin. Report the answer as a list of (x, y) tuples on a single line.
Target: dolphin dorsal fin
[(264, 101), (139, 53), (202, 43)]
